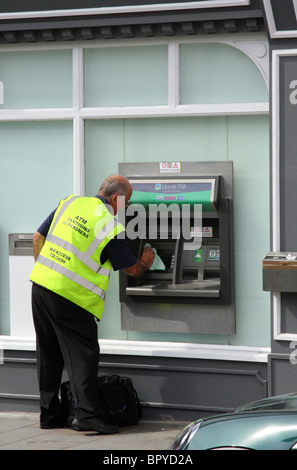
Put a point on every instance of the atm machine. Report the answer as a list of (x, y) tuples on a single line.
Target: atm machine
[(185, 213)]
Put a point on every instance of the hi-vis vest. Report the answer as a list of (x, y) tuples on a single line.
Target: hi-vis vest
[(69, 261)]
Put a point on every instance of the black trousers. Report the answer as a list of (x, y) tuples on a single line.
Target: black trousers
[(66, 335)]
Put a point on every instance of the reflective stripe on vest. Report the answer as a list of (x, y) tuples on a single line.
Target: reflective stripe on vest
[(84, 257), (79, 255), (61, 212), (72, 276), (77, 274)]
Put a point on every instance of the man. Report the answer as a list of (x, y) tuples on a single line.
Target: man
[(75, 249)]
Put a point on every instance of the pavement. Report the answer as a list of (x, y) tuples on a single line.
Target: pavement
[(21, 431)]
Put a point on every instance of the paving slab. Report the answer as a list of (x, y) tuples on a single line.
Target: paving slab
[(21, 431)]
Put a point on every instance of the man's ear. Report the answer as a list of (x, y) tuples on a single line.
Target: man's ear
[(113, 203), (113, 198)]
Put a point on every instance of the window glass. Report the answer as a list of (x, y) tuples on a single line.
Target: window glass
[(36, 167), (217, 73), (103, 151), (36, 171), (36, 79), (126, 76)]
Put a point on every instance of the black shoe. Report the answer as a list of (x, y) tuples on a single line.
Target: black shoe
[(54, 425), (94, 424)]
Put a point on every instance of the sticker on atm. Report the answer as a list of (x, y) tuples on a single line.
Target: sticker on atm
[(201, 232), (198, 256), (170, 167), (214, 255)]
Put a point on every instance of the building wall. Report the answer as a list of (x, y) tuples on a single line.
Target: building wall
[(69, 113), (134, 92), (168, 387)]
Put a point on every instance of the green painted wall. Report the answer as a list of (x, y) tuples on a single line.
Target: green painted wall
[(243, 140), (36, 157)]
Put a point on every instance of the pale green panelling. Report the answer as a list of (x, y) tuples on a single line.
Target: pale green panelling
[(219, 73), (36, 171), (36, 79), (126, 76)]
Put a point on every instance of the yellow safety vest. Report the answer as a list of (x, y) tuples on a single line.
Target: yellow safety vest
[(69, 261)]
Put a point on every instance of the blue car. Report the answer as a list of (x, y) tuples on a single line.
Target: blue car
[(268, 424)]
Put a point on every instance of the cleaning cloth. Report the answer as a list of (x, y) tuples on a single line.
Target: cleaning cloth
[(157, 263)]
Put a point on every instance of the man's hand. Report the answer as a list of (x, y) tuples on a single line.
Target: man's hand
[(147, 257), (145, 262)]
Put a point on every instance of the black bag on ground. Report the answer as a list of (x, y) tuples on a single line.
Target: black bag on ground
[(118, 401)]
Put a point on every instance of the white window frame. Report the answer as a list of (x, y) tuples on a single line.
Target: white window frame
[(256, 49), (275, 131), (274, 32)]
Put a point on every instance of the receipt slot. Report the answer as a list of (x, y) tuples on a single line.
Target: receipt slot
[(187, 218)]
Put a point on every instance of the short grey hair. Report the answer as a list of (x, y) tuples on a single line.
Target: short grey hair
[(114, 185)]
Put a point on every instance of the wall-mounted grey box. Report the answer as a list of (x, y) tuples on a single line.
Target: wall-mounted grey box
[(20, 244), (280, 272)]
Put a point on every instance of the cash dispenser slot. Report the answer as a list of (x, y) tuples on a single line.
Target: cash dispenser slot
[(191, 266)]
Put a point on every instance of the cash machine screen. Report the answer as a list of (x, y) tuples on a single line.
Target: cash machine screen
[(192, 265), (166, 256)]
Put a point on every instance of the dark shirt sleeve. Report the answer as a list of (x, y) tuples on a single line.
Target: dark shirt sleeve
[(119, 254), (44, 227)]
